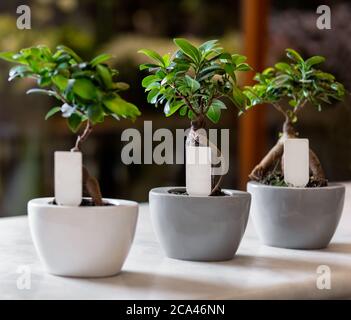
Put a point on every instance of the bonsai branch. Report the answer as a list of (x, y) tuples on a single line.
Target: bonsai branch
[(81, 138), (299, 107), (280, 109), (185, 99), (90, 183)]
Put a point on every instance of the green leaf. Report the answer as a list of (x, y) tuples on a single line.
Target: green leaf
[(84, 88), (43, 91), (74, 122), (268, 71), (243, 67), (324, 76), (192, 84), (208, 72), (173, 107), (337, 86), (294, 55), (120, 107), (167, 78), (44, 82), (314, 60), (239, 98), (208, 46), (293, 103), (166, 60), (105, 75), (11, 57), (148, 80), (238, 58), (280, 80), (148, 66), (70, 52), (100, 58), (152, 96), (188, 49), (229, 68), (52, 112), (121, 86), (18, 71), (191, 115), (284, 67), (153, 55), (95, 113), (226, 57), (214, 113), (218, 104), (183, 110), (60, 81)]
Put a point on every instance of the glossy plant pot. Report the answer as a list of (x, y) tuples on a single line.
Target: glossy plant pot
[(296, 218), (206, 228), (82, 241)]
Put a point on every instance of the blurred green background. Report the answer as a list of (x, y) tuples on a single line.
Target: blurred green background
[(27, 141)]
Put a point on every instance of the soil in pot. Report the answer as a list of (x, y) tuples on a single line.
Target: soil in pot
[(87, 203), (182, 192)]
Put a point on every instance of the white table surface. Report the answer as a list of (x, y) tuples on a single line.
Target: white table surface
[(257, 271)]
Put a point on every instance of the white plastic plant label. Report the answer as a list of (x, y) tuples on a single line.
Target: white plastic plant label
[(296, 162), (198, 171), (68, 178)]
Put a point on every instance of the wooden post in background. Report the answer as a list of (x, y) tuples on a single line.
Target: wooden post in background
[(252, 125)]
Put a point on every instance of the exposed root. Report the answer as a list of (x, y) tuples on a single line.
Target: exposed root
[(217, 187), (316, 169), (92, 187), (263, 171), (274, 155)]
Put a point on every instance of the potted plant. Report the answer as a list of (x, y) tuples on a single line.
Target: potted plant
[(197, 223), (284, 215), (93, 237)]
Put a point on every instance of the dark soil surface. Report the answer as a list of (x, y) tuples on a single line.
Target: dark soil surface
[(87, 203), (277, 179), (184, 193)]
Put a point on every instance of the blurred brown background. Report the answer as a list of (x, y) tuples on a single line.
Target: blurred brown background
[(27, 141)]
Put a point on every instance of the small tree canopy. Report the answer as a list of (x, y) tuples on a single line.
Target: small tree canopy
[(87, 90), (194, 79), (299, 81)]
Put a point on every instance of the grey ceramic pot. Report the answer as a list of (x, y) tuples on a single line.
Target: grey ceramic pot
[(199, 228), (296, 218)]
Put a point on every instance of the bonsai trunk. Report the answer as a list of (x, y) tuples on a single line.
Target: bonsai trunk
[(90, 183), (276, 153), (195, 139)]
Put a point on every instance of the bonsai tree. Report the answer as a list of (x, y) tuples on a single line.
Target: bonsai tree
[(289, 87), (193, 81), (87, 92)]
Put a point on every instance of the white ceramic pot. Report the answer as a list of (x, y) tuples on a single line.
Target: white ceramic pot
[(82, 241)]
